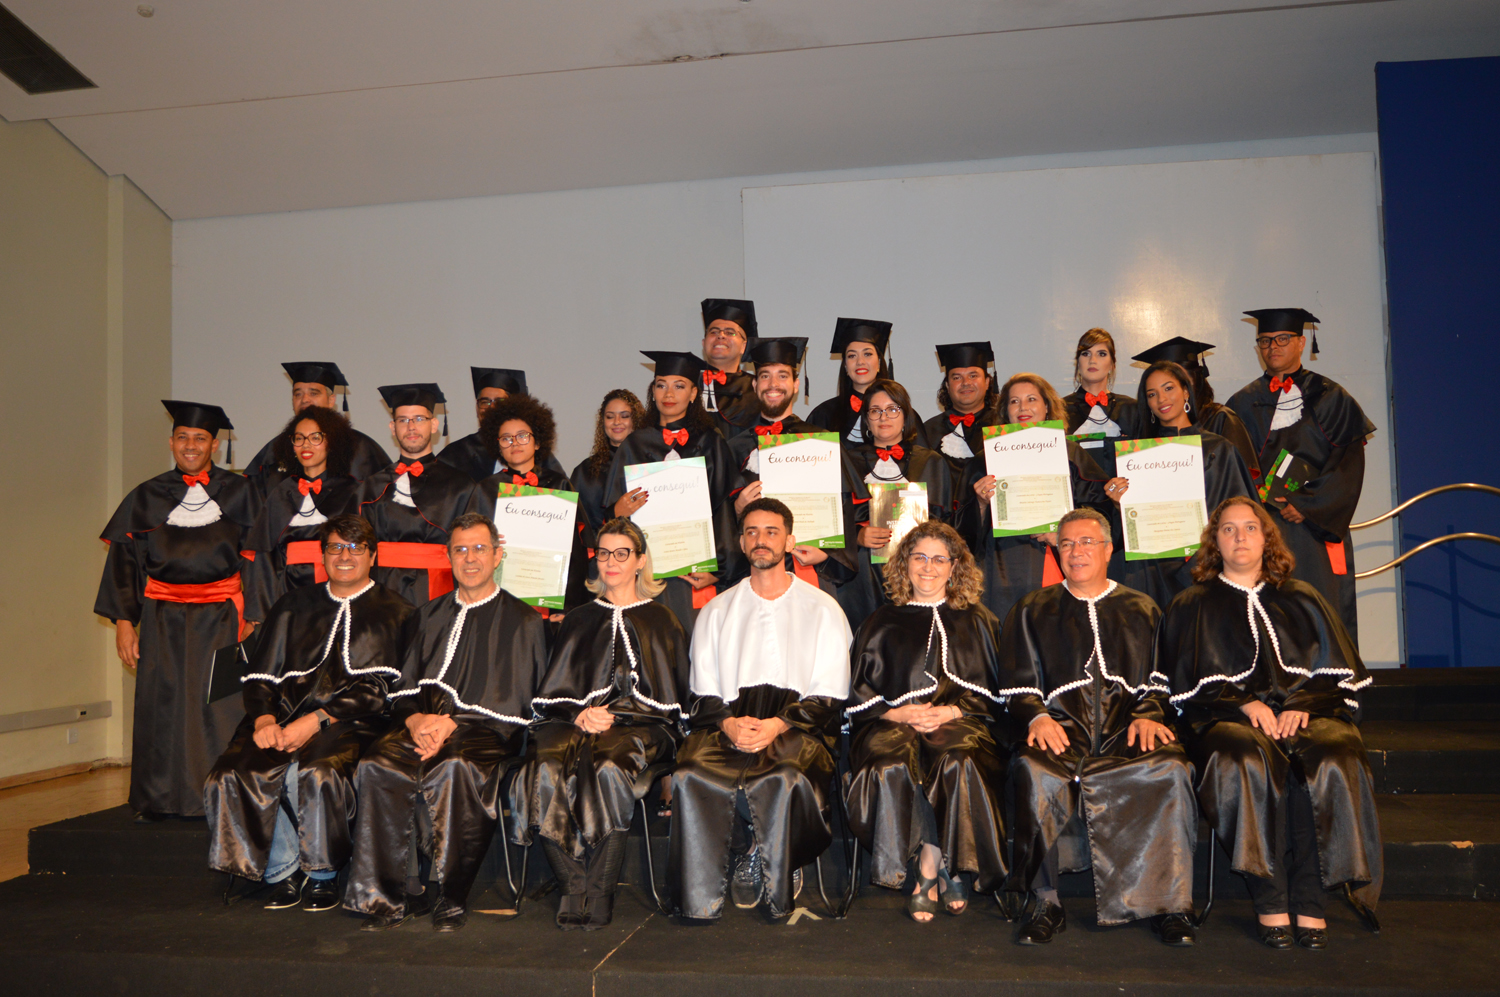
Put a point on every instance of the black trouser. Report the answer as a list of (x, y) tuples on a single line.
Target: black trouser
[(1294, 887)]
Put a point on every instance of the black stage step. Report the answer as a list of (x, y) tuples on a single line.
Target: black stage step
[(1432, 756), (128, 936), (1433, 694)]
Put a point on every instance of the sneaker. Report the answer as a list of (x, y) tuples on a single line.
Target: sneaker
[(745, 885)]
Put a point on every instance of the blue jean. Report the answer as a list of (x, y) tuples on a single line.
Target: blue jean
[(285, 850)]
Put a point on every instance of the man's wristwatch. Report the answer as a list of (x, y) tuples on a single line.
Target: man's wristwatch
[(324, 720)]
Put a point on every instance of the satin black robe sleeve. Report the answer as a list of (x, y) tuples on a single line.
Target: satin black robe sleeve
[(587, 661), (891, 665)]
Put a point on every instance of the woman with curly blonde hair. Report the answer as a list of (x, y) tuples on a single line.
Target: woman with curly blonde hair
[(926, 770), (1267, 681)]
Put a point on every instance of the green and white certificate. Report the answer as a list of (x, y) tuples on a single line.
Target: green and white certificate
[(1033, 479), (804, 471), (1164, 509), (899, 506), (538, 526), (678, 515)]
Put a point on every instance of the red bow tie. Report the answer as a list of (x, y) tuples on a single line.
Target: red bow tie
[(715, 375), (855, 403), (414, 469), (201, 478), (1101, 399), (894, 452), (772, 429), (529, 478), (304, 486), (1282, 384), (675, 437), (967, 420)]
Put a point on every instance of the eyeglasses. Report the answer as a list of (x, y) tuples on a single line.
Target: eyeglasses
[(728, 333), (1084, 544), (462, 550), (413, 420), (621, 554), (521, 438), (894, 412), (486, 402), (936, 560), (1281, 339), (309, 440), (355, 549)]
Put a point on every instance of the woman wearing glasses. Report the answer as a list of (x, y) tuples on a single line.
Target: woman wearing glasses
[(927, 773), (609, 709), (319, 443), (889, 455)]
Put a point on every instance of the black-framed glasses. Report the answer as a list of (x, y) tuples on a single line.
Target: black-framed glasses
[(1083, 543), (936, 560), (337, 548), (414, 420), (1280, 339), (621, 554), (309, 439)]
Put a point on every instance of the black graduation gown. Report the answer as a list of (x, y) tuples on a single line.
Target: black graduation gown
[(1224, 476), (590, 488), (1217, 418), (177, 733), (578, 787), (1135, 811), (732, 404), (1123, 411), (468, 454), (900, 656), (315, 651), (862, 594), (646, 446), (837, 415), (1014, 566), (442, 493), (942, 424), (485, 681), (264, 473), (486, 494), (1298, 657), (1330, 436), (268, 577)]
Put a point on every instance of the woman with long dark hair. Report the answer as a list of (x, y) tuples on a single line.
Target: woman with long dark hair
[(620, 414), (1267, 681), (1098, 415), (863, 349), (1211, 415)]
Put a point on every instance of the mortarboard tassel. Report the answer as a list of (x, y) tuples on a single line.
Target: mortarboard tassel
[(807, 387), (346, 403), (229, 450), (1315, 343), (445, 424)]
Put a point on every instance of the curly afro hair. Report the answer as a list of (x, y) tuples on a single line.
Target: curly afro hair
[(537, 415), (331, 424)]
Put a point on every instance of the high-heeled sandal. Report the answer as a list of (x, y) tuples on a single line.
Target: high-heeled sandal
[(955, 891), (920, 903)]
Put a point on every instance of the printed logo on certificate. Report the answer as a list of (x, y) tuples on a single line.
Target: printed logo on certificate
[(898, 506), (804, 470), (1164, 509), (1033, 479), (678, 515), (538, 526)]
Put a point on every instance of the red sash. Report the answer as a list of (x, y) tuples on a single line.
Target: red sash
[(1051, 572), (308, 552), (224, 590), (432, 558)]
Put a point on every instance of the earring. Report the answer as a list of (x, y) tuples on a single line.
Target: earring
[(1187, 406)]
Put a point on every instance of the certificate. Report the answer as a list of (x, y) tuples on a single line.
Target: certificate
[(678, 515), (1033, 479), (1164, 509), (898, 506), (538, 525), (804, 471)]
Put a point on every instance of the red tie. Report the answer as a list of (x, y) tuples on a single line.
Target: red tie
[(1282, 384), (304, 486), (715, 375), (201, 478), (1101, 399), (774, 429), (414, 469), (675, 438), (894, 451), (967, 420), (855, 403), (529, 478)]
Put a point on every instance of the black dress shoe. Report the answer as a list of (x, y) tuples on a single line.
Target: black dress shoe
[(321, 894), (449, 916), (1046, 919), (287, 893), (1275, 936), (147, 817), (1175, 929), (385, 922), (1311, 938), (421, 904)]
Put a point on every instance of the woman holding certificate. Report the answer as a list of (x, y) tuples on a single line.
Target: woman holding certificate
[(1099, 415), (691, 524), (1012, 499), (927, 773), (1168, 412), (895, 470), (608, 709), (620, 414)]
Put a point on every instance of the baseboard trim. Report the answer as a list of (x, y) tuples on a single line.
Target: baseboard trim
[(77, 768)]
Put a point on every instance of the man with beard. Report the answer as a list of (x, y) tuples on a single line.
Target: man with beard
[(173, 569), (469, 453), (313, 384), (728, 392), (969, 400), (770, 673), (411, 503)]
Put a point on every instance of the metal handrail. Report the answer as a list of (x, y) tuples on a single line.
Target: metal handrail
[(1464, 486), (1423, 546)]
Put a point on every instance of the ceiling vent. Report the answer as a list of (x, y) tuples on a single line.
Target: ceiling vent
[(31, 63)]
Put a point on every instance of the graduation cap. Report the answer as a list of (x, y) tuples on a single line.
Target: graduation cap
[(1179, 351), (953, 355), (427, 395), (789, 350), (670, 364), (741, 313), (510, 381), (196, 415), (1270, 320), (318, 372), (863, 330)]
